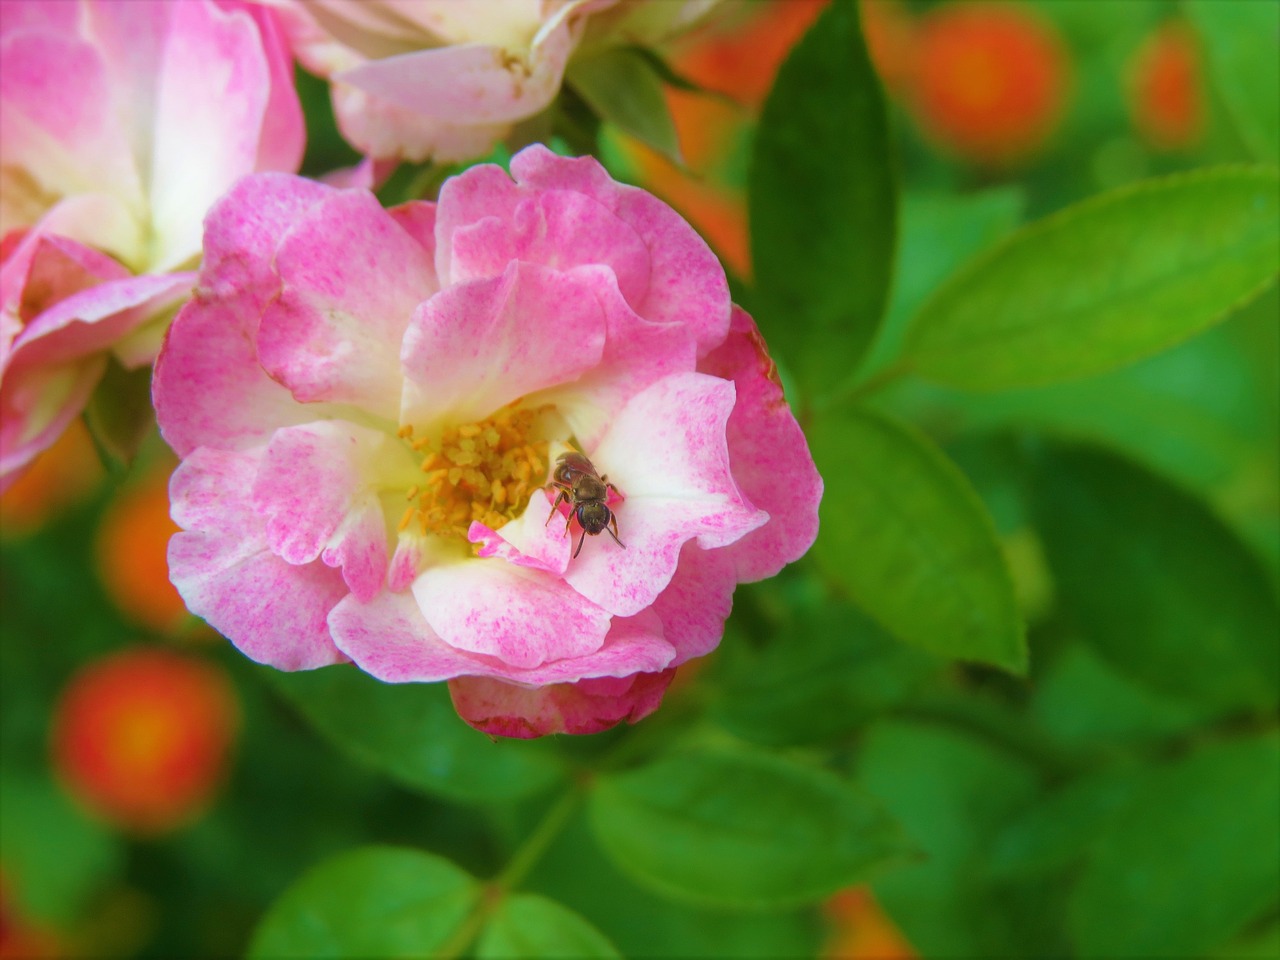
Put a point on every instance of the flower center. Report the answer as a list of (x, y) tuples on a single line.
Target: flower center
[(483, 471)]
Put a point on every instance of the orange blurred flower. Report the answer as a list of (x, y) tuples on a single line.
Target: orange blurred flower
[(861, 929), (991, 81), (132, 547), (142, 737), (891, 41), (62, 476), (1165, 89)]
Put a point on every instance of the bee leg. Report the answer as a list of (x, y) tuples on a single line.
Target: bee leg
[(568, 520), (561, 497), (613, 532), (581, 539)]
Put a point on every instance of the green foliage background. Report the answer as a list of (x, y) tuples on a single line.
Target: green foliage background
[(1025, 684)]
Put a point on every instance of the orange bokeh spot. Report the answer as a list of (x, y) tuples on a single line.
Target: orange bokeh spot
[(142, 737), (61, 477), (990, 81), (132, 551), (1165, 90), (891, 41), (861, 931)]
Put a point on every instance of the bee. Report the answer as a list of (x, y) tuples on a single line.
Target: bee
[(585, 491)]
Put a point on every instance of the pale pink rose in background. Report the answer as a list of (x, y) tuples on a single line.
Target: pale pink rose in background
[(368, 404), (120, 124), (446, 80)]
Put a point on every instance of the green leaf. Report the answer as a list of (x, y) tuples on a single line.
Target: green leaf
[(1156, 583), (622, 86), (54, 858), (824, 673), (528, 926), (904, 533), (1242, 41), (823, 204), (1105, 282), (411, 732), (740, 828), (1190, 860), (952, 793), (369, 902)]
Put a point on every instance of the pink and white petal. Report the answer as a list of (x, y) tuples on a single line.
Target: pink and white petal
[(417, 218), (667, 453), (283, 136), (412, 553), (359, 547), (93, 319), (389, 638), (352, 278), (314, 476), (637, 353), (213, 89), (57, 120), (769, 455), (37, 405), (385, 131), (209, 389), (101, 220), (556, 228), (522, 541), (37, 15), (42, 268), (697, 601), (475, 347), (633, 644), (271, 610), (522, 617), (467, 83), (478, 193), (590, 706), (687, 285), (241, 234)]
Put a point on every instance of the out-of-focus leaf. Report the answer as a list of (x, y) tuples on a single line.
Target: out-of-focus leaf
[(412, 732), (952, 793), (1191, 859), (938, 233), (1157, 584), (528, 927), (1082, 702), (1242, 40), (622, 86), (741, 828), (823, 204), (53, 857), (905, 534), (825, 672), (1103, 283), (644, 924), (370, 902)]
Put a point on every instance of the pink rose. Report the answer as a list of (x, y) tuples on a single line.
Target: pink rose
[(120, 124), (446, 80), (369, 404)]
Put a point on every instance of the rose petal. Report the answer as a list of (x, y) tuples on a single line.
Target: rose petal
[(351, 281), (475, 347), (271, 610), (697, 602), (37, 407), (770, 457), (588, 706), (521, 617)]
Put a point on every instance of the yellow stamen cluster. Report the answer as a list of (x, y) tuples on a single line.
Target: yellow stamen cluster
[(481, 471)]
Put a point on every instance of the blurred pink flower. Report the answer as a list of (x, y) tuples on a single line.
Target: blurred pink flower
[(368, 404), (446, 80), (120, 124)]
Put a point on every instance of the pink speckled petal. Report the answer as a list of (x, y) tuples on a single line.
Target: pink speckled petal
[(522, 541), (687, 285), (351, 278), (36, 407), (284, 133), (588, 706), (770, 458), (522, 617), (697, 602), (480, 192), (318, 491), (666, 452), (477, 346), (271, 610)]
